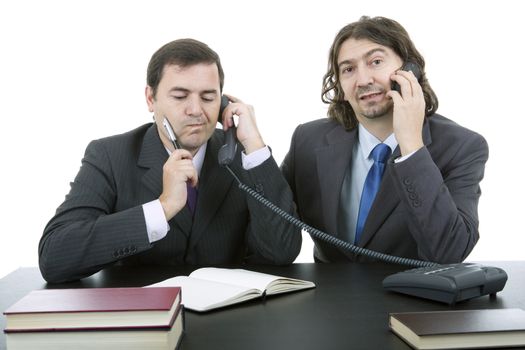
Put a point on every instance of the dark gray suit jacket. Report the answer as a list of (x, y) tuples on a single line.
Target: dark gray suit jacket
[(426, 207), (102, 221)]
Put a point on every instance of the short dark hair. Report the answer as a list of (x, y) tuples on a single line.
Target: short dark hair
[(383, 31), (184, 53)]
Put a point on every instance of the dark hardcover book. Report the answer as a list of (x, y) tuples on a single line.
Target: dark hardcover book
[(460, 329), (95, 308)]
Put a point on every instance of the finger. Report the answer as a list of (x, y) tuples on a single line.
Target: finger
[(403, 79), (233, 98), (238, 109), (417, 89), (179, 154), (193, 178), (395, 96), (227, 118)]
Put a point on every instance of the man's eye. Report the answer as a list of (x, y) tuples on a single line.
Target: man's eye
[(347, 70), (376, 62), (178, 97), (208, 99)]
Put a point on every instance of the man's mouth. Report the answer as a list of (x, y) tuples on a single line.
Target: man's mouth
[(195, 128), (370, 96), (195, 125)]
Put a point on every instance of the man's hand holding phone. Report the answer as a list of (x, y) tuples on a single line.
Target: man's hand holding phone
[(247, 131), (409, 110)]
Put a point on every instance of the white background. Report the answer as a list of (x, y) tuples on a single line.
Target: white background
[(73, 71)]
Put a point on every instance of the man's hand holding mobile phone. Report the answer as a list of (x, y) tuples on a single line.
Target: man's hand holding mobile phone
[(409, 108)]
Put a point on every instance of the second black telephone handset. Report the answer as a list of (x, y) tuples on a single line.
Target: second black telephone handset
[(408, 66), (227, 151)]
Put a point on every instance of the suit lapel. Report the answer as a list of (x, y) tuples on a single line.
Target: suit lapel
[(152, 156), (386, 199), (214, 184), (333, 161)]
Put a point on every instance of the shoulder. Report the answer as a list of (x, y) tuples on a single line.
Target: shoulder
[(316, 130), (322, 125), (448, 134), (130, 142), (442, 126), (135, 136), (137, 133)]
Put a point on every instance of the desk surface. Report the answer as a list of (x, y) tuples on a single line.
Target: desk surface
[(347, 310)]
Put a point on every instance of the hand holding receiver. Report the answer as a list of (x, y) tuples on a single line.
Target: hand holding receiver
[(407, 67), (247, 131), (227, 151), (409, 108), (176, 173)]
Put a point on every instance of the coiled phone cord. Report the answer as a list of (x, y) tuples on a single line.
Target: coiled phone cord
[(329, 238)]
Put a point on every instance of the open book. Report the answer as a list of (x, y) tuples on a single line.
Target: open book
[(210, 288)]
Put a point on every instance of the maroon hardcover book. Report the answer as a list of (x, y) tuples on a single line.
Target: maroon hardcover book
[(95, 308)]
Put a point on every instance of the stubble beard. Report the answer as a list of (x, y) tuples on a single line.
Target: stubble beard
[(377, 111)]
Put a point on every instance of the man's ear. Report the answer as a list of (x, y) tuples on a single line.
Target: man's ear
[(150, 99)]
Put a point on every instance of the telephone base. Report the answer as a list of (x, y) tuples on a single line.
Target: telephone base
[(448, 283)]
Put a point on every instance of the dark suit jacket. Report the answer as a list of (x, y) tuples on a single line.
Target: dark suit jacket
[(102, 221), (426, 207)]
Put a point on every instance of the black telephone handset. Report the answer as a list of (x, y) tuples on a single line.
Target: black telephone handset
[(227, 151), (408, 66)]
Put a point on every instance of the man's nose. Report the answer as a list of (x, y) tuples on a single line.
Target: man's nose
[(364, 76), (194, 107)]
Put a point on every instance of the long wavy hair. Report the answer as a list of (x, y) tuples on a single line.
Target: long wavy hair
[(383, 31)]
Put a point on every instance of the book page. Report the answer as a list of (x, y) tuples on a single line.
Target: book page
[(202, 295), (251, 279)]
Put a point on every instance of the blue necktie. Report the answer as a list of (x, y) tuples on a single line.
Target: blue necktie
[(191, 201), (379, 154)]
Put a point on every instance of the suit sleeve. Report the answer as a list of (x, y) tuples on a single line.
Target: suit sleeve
[(270, 238), (85, 235), (442, 204), (287, 166)]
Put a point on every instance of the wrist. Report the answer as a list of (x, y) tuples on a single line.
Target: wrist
[(410, 148), (252, 145), (169, 210)]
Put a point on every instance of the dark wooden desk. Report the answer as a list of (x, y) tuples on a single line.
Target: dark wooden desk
[(348, 309)]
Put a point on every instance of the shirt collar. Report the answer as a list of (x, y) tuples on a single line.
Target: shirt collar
[(367, 141)]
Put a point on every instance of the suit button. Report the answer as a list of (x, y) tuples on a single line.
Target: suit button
[(115, 254), (410, 188), (416, 203), (133, 249), (126, 250), (412, 196), (407, 181), (259, 188)]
